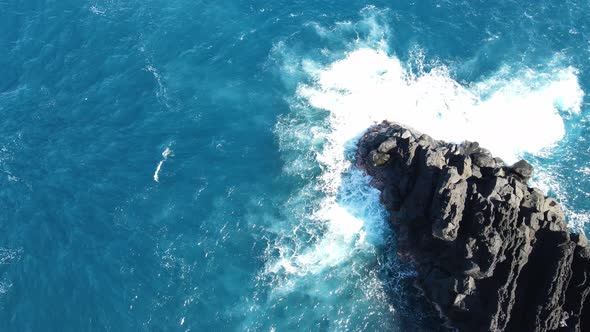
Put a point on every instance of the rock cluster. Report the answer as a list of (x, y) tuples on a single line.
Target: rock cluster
[(492, 253)]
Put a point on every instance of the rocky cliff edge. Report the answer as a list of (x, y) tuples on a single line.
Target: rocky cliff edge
[(492, 253)]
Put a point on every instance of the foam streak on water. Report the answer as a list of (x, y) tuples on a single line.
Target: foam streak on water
[(165, 155)]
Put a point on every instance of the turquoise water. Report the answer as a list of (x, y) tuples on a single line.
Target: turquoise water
[(186, 165)]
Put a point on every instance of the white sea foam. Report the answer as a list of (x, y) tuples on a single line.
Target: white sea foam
[(8, 256), (4, 286), (157, 172), (167, 152), (352, 222), (162, 91), (334, 224), (548, 182), (509, 113), (97, 11)]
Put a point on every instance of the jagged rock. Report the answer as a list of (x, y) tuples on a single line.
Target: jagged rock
[(387, 146), (524, 169), (579, 239), (483, 159), (492, 254), (379, 159), (448, 205)]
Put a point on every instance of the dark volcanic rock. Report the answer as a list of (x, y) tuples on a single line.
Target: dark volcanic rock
[(492, 254)]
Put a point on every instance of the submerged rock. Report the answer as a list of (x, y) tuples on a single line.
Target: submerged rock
[(492, 254)]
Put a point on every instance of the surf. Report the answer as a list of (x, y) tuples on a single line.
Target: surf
[(336, 223)]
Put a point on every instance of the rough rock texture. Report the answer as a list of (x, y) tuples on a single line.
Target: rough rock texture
[(492, 254)]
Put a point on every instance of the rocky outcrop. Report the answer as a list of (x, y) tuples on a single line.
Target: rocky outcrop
[(492, 253)]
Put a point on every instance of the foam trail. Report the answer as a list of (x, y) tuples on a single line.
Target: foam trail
[(165, 155)]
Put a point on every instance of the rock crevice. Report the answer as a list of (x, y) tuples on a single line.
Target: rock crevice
[(492, 253)]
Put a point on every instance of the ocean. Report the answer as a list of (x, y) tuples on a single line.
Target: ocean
[(189, 165)]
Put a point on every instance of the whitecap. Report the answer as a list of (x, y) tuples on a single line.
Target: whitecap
[(167, 152), (510, 113)]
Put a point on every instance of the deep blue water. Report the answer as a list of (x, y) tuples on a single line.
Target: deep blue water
[(245, 112)]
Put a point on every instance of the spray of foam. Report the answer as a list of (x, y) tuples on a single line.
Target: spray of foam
[(165, 155), (352, 221), (346, 218), (327, 245), (335, 223), (508, 114), (547, 180)]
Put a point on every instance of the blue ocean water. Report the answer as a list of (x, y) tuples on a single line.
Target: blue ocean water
[(188, 165)]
